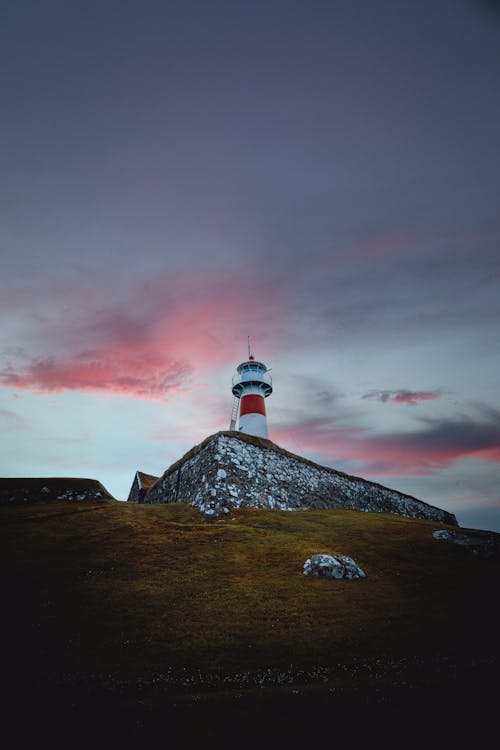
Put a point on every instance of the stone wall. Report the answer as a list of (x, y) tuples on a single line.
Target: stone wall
[(231, 470), (140, 486)]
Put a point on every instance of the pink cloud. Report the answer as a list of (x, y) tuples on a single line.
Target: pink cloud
[(412, 397), (417, 453), (144, 375), (403, 396), (146, 346)]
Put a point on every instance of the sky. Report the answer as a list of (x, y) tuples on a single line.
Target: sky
[(321, 175)]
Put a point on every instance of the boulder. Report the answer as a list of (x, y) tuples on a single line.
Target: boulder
[(332, 566), (481, 543), (444, 534)]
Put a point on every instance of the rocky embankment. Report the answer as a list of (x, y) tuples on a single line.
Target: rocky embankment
[(233, 470)]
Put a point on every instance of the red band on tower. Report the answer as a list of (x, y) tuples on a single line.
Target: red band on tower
[(252, 403)]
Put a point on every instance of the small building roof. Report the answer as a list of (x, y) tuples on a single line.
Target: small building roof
[(146, 480)]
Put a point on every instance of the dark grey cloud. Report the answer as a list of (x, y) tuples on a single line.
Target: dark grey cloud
[(490, 5), (462, 434), (320, 392), (436, 444)]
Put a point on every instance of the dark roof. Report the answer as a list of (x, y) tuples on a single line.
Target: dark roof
[(146, 480)]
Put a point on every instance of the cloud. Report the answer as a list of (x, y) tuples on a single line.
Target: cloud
[(144, 375), (403, 396), (145, 345), (10, 420), (413, 453)]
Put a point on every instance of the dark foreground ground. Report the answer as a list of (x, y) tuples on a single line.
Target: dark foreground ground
[(459, 711), (133, 626)]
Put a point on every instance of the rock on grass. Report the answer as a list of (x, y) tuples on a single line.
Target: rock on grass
[(332, 566)]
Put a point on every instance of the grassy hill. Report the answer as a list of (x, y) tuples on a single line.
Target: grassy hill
[(48, 489), (152, 623)]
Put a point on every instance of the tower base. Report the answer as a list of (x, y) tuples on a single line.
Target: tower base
[(254, 424)]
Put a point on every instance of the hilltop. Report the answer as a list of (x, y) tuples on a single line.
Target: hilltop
[(154, 623), (48, 489)]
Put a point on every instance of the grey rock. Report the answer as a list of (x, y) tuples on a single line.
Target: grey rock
[(332, 566), (444, 534), (485, 544)]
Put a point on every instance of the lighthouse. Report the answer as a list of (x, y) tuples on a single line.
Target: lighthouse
[(251, 385)]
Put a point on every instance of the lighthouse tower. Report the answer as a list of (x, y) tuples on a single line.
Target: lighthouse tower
[(251, 385)]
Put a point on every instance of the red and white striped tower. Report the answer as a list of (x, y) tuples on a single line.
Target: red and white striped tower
[(251, 385)]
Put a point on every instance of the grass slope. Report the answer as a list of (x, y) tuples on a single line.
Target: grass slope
[(155, 620)]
